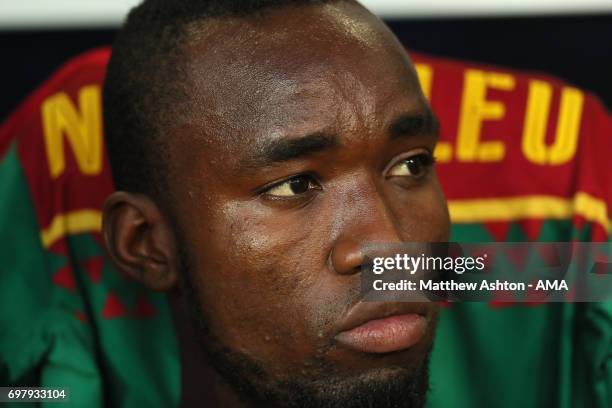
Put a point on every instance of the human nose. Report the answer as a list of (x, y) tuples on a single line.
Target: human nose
[(370, 221)]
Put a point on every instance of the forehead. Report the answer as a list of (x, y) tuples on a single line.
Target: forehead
[(294, 70)]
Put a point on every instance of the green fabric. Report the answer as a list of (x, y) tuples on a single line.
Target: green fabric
[(41, 343)]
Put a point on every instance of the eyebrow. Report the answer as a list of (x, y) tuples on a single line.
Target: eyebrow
[(289, 149), (417, 124)]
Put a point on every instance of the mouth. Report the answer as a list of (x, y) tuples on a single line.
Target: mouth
[(383, 328)]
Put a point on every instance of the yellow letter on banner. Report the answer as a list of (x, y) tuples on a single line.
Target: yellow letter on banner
[(475, 109), (425, 75), (536, 118), (443, 152), (83, 129)]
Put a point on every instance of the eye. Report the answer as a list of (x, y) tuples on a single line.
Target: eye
[(416, 166), (294, 186)]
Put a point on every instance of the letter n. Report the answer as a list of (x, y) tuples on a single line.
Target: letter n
[(82, 128)]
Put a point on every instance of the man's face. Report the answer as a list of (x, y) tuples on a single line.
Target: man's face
[(307, 137)]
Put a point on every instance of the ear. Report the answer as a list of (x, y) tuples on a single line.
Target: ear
[(140, 240)]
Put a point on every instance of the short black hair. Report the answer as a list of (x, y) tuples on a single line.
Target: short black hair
[(142, 89)]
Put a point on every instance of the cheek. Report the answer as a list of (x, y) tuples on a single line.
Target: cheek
[(256, 275), (422, 215)]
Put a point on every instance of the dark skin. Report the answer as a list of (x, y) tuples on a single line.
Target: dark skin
[(305, 136)]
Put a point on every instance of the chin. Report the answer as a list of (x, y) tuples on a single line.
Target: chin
[(383, 387)]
